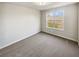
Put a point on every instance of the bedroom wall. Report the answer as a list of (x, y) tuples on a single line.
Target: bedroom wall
[(78, 22), (70, 22), (17, 23)]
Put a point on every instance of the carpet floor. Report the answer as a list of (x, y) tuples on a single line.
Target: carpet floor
[(42, 45)]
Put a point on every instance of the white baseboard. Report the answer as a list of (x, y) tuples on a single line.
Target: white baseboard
[(17, 41)]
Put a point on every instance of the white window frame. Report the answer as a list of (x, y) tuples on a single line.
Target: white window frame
[(47, 13)]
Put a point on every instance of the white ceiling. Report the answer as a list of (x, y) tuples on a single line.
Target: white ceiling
[(44, 7)]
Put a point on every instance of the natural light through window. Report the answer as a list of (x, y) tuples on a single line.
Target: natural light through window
[(55, 19)]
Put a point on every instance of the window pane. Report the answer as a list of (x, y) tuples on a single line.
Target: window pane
[(55, 19), (51, 23), (59, 24)]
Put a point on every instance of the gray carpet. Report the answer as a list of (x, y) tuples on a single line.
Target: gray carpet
[(42, 45)]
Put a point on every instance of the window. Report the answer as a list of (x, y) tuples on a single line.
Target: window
[(55, 19)]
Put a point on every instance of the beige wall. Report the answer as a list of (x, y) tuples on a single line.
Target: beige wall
[(17, 22), (70, 22), (1, 24), (78, 23)]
